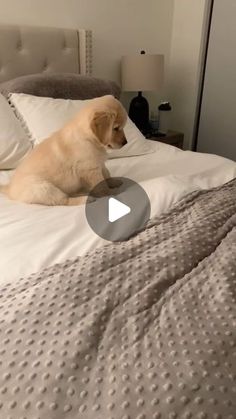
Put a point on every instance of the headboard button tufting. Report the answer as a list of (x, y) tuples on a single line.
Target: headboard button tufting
[(19, 46), (23, 50)]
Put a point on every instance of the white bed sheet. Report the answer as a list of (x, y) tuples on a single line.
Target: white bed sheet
[(33, 237)]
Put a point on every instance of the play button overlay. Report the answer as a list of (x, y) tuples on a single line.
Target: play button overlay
[(116, 210), (121, 213)]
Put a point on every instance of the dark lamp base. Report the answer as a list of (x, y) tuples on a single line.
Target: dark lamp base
[(139, 112)]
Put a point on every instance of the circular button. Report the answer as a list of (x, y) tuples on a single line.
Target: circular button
[(124, 210)]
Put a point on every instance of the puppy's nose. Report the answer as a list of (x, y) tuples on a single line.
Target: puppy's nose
[(124, 141)]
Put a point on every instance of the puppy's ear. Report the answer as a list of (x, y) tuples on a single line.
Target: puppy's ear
[(101, 123)]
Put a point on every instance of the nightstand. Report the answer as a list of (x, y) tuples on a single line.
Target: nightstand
[(172, 138)]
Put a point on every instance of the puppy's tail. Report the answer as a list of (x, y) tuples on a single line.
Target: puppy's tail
[(3, 189)]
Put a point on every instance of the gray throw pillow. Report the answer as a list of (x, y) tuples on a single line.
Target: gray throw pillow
[(60, 86)]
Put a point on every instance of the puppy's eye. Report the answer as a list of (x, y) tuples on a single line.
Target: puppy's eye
[(116, 128)]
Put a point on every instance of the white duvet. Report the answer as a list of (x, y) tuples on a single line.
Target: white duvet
[(33, 237)]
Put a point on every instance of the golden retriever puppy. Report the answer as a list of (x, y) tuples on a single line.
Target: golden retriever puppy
[(72, 160)]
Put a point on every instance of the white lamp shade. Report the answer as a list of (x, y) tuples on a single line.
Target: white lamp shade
[(142, 72)]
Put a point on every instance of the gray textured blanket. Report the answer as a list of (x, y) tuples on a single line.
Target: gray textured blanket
[(143, 329)]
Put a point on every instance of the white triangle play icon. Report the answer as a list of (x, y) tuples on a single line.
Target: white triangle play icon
[(116, 210)]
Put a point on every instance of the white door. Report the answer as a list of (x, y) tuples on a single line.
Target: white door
[(217, 128)]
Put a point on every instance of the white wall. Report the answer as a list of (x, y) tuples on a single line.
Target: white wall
[(185, 63), (119, 26)]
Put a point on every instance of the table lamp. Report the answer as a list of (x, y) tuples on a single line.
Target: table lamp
[(141, 72)]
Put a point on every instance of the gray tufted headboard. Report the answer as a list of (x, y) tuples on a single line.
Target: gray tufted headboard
[(29, 50)]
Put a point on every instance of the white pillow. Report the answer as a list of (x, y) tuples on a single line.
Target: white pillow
[(14, 143), (41, 116)]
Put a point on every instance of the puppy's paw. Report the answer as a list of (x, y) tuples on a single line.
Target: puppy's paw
[(100, 192), (91, 199), (114, 182)]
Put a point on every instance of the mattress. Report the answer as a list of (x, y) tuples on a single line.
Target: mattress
[(34, 237), (141, 329)]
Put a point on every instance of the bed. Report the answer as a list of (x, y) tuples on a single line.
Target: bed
[(141, 329)]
